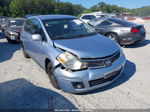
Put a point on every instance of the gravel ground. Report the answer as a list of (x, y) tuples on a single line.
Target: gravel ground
[(24, 85)]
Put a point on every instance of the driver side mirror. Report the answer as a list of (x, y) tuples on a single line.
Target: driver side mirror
[(36, 37)]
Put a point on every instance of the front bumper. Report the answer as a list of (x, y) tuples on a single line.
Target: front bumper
[(65, 78), (13, 37)]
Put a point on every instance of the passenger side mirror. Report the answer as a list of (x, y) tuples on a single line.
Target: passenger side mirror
[(37, 37)]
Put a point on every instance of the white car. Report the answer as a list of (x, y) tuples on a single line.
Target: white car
[(87, 17)]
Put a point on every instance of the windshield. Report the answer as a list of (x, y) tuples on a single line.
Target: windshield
[(67, 28), (16, 22)]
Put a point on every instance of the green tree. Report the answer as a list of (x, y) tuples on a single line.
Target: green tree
[(23, 7), (64, 8), (78, 9), (1, 11)]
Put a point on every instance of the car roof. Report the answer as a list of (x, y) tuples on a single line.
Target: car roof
[(45, 17), (16, 19)]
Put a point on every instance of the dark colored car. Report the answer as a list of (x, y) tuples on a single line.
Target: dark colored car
[(13, 29), (3, 20), (121, 31), (30, 15)]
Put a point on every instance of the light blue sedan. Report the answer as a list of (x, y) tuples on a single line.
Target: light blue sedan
[(74, 56)]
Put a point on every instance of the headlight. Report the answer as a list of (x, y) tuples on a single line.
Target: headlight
[(13, 33), (70, 62)]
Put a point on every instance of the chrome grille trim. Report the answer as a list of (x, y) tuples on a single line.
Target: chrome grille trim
[(100, 62)]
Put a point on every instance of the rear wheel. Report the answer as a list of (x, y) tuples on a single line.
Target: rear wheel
[(113, 37), (50, 72), (24, 51)]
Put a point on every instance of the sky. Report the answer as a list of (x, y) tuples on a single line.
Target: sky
[(123, 3)]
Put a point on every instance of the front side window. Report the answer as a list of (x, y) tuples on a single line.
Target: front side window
[(67, 28), (37, 29)]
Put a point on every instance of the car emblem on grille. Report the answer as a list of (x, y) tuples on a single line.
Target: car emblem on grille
[(107, 62)]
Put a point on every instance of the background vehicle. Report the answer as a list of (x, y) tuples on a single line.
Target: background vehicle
[(87, 17), (13, 29), (30, 15), (75, 57), (3, 20), (120, 31)]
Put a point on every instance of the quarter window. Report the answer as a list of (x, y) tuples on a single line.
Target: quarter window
[(89, 17)]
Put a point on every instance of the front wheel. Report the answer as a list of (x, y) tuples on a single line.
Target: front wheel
[(50, 72), (113, 37)]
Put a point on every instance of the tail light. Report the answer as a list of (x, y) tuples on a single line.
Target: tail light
[(134, 30)]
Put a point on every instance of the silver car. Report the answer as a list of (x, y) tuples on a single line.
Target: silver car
[(122, 32), (74, 56)]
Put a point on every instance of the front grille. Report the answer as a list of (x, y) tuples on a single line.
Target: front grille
[(101, 62), (115, 57), (108, 77)]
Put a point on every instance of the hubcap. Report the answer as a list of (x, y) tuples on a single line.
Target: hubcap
[(112, 37)]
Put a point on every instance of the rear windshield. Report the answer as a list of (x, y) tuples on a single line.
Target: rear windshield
[(16, 22), (121, 22)]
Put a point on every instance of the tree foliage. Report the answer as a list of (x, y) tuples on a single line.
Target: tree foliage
[(21, 8), (106, 8)]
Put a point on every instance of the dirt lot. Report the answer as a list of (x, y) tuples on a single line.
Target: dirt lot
[(23, 84)]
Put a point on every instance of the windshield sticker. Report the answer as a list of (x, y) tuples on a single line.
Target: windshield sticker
[(65, 26)]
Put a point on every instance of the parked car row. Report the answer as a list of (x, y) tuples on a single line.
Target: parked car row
[(12, 28), (75, 57)]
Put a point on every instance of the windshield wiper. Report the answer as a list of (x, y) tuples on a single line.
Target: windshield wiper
[(87, 34)]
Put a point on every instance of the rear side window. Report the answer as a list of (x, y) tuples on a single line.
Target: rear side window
[(105, 23), (89, 17), (122, 22), (28, 26)]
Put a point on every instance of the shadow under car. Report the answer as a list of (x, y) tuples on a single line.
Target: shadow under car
[(20, 94), (129, 71)]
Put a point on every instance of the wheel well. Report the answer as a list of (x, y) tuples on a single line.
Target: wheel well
[(46, 63), (110, 33)]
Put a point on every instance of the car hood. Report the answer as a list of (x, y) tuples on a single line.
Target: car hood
[(96, 46), (16, 28)]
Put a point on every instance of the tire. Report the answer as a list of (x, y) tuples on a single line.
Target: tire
[(24, 51), (50, 72), (113, 37)]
